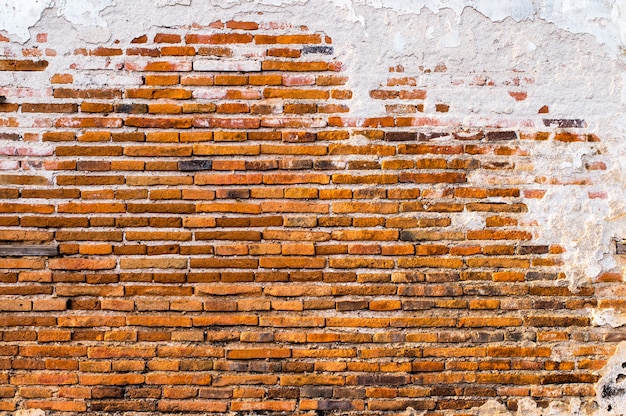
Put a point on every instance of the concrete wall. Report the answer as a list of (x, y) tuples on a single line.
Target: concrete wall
[(268, 180)]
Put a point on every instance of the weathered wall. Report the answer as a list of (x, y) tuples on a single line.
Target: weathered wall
[(301, 206)]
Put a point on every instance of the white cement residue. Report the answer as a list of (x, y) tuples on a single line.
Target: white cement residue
[(606, 20), (83, 12), (30, 412), (608, 317), (18, 16), (611, 388)]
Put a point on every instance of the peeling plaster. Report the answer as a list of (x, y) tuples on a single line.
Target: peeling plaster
[(611, 388), (528, 407), (605, 19), (83, 12), (19, 16), (30, 412), (608, 317)]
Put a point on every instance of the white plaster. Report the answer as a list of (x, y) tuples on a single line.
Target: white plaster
[(18, 16), (30, 412), (502, 9), (83, 12), (605, 19), (231, 3), (528, 407), (608, 317), (398, 42), (469, 220), (567, 216), (163, 3), (611, 382), (217, 65), (493, 408), (451, 37)]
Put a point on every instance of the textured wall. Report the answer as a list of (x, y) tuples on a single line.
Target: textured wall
[(312, 206)]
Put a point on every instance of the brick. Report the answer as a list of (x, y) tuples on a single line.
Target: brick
[(287, 39), (81, 264), (489, 322), (90, 321), (22, 236), (556, 321), (44, 379), (294, 66), (22, 65), (231, 320), (364, 179), (498, 235), (212, 406), (15, 306), (254, 353)]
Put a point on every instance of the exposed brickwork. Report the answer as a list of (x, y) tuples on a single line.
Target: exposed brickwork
[(231, 238)]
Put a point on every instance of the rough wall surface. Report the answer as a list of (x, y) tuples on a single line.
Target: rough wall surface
[(312, 207)]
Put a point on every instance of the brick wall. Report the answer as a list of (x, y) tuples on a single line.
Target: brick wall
[(193, 221)]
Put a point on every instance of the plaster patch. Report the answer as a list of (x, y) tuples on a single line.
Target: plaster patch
[(30, 412), (163, 3), (469, 220), (611, 388), (18, 16), (608, 317), (566, 215), (493, 408), (528, 407), (398, 42), (502, 9), (606, 20), (83, 12), (230, 3), (451, 38)]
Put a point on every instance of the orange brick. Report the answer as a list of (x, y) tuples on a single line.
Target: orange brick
[(254, 353), (81, 264)]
